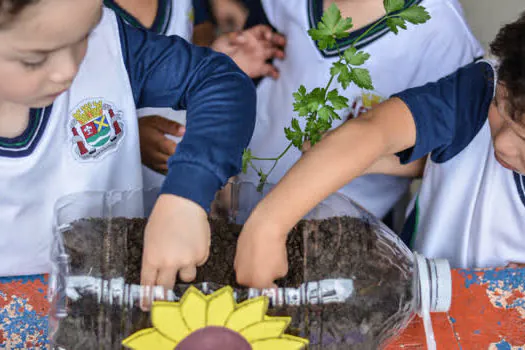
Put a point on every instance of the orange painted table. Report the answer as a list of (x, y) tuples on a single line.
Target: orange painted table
[(488, 312)]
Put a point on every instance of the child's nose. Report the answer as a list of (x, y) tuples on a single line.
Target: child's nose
[(65, 70)]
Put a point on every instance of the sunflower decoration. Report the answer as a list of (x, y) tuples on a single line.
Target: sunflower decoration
[(215, 321)]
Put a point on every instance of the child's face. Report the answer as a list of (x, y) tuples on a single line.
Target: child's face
[(42, 48), (508, 135)]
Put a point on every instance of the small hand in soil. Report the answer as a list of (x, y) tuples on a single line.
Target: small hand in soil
[(260, 258), (176, 240)]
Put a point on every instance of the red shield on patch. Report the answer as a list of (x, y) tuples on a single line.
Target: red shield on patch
[(89, 129)]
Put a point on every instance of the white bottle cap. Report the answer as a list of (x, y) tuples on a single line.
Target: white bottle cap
[(441, 285), (435, 291)]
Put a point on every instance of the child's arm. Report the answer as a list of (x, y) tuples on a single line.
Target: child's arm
[(445, 116), (220, 103), (383, 131), (326, 167)]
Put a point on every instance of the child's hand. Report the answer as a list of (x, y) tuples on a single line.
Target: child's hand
[(252, 48), (261, 256), (176, 240), (155, 147)]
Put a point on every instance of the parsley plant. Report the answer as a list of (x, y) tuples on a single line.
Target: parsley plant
[(319, 106)]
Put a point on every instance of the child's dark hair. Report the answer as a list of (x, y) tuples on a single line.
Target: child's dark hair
[(509, 48), (11, 8)]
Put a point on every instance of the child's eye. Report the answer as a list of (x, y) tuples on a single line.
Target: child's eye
[(33, 65)]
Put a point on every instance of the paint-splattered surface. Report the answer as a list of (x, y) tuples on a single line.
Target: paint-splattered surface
[(488, 312), (23, 312)]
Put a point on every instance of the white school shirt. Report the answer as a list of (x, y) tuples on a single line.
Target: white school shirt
[(174, 17), (87, 140), (415, 56), (470, 209)]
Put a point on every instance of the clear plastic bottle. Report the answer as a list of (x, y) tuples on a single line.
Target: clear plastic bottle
[(352, 283)]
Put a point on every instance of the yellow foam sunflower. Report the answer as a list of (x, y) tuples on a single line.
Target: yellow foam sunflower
[(178, 325)]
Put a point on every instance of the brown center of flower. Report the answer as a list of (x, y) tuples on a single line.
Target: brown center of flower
[(214, 338)]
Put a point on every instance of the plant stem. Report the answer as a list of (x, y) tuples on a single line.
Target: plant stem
[(369, 29), (278, 157)]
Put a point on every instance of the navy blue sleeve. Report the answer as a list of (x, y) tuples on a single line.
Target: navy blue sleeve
[(201, 11), (219, 99), (449, 113)]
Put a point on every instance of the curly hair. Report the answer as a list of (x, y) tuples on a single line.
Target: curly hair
[(509, 48), (11, 8)]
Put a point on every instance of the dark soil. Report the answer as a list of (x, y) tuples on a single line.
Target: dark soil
[(334, 248)]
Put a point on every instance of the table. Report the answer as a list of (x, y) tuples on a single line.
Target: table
[(488, 312)]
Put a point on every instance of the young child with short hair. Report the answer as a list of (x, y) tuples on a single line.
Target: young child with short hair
[(471, 206), (73, 75)]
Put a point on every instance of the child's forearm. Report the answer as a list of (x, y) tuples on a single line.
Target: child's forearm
[(342, 156)]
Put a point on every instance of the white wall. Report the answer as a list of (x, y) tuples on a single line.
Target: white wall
[(485, 17)]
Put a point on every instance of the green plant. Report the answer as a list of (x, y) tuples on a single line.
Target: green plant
[(319, 106)]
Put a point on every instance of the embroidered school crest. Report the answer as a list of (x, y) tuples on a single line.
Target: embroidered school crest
[(96, 126)]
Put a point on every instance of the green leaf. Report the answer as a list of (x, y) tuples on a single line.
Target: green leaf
[(331, 27), (337, 67), (325, 113), (415, 14), (337, 101), (296, 137), (315, 99), (301, 101), (395, 22), (361, 77), (301, 93), (355, 58), (344, 78), (393, 5), (301, 109), (246, 157), (295, 125)]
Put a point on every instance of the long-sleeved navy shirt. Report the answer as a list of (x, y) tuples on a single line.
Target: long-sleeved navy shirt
[(220, 102)]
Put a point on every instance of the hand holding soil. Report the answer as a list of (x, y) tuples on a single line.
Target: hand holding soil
[(176, 241), (261, 256)]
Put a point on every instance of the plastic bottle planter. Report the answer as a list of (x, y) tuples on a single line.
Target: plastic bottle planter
[(352, 284)]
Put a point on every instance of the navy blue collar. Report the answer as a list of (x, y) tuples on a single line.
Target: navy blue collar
[(25, 143)]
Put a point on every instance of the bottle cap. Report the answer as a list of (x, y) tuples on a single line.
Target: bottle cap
[(435, 291), (441, 285)]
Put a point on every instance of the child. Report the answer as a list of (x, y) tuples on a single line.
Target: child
[(68, 124), (415, 56), (471, 207), (161, 129)]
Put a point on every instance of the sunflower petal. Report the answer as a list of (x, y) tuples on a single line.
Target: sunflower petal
[(220, 305), (285, 343), (167, 319), (248, 313), (265, 329), (193, 307), (147, 339)]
